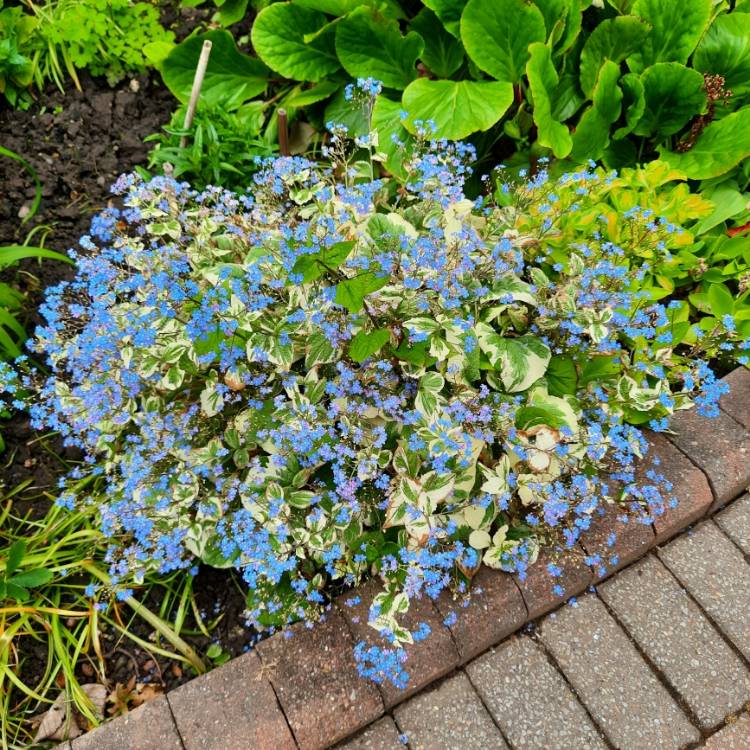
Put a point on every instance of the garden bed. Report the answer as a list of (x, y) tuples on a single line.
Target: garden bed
[(79, 142), (334, 405)]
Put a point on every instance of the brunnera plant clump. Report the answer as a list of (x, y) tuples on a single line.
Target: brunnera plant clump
[(332, 377)]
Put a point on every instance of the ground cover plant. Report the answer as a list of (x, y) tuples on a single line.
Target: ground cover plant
[(334, 376), (387, 359)]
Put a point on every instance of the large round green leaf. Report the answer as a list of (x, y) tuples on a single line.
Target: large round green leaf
[(497, 34), (591, 137), (449, 12), (458, 108), (725, 49), (231, 77), (721, 146), (389, 8), (386, 119), (676, 28), (543, 80), (369, 44), (279, 35), (443, 54), (673, 94), (613, 39)]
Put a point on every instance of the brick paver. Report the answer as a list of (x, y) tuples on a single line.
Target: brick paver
[(529, 699), (382, 735), (736, 403), (486, 618), (148, 727), (212, 713), (536, 587), (448, 717), (316, 681), (734, 736), (734, 521), (720, 446), (672, 631), (632, 540), (689, 485), (711, 567), (428, 660), (622, 694)]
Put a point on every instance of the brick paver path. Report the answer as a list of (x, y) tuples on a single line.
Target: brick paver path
[(655, 657)]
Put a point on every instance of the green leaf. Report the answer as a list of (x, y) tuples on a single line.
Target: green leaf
[(676, 28), (386, 119), (10, 254), (15, 557), (299, 97), (567, 99), (592, 134), (443, 54), (728, 201), (497, 34), (313, 265), (278, 37), (343, 112), (673, 94), (449, 12), (562, 19), (369, 44), (599, 369), (720, 299), (721, 146), (613, 39), (32, 578), (15, 592), (562, 378), (231, 77), (389, 8), (458, 108), (231, 11), (543, 81), (352, 292), (725, 50), (365, 344), (634, 102)]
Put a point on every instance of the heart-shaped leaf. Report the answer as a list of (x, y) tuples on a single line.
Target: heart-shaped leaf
[(672, 95), (231, 77), (278, 37), (497, 34), (458, 108), (449, 12), (675, 30), (721, 146), (613, 39), (368, 44), (443, 54), (725, 50)]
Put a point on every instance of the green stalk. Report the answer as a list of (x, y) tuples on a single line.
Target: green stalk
[(158, 624)]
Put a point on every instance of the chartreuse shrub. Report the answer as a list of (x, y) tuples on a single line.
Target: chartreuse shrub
[(619, 81), (330, 377)]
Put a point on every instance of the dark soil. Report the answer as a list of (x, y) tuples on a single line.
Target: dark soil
[(79, 142)]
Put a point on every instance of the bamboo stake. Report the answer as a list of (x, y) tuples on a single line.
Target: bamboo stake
[(200, 72), (283, 133)]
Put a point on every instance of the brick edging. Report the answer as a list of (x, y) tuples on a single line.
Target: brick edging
[(304, 692)]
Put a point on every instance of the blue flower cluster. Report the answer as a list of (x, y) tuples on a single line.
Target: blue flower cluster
[(315, 382)]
